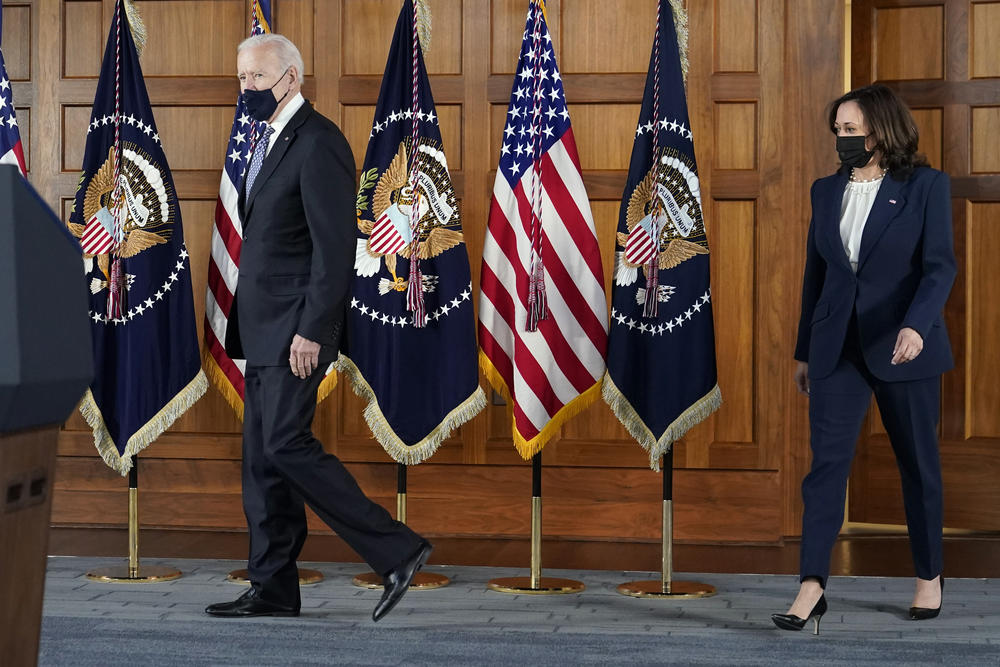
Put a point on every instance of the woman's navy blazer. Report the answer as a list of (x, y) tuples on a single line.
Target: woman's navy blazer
[(906, 267)]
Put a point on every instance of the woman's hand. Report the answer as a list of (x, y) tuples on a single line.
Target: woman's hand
[(908, 345), (802, 377)]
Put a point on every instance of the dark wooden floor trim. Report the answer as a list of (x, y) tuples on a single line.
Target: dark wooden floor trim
[(869, 555)]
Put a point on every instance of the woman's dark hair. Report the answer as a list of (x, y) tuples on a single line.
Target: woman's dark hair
[(890, 123)]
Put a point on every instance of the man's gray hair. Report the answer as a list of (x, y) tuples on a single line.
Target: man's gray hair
[(287, 53)]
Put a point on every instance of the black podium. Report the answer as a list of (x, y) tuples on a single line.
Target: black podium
[(46, 363)]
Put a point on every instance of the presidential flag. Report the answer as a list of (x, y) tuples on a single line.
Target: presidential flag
[(542, 312), (147, 371), (411, 343), (227, 240), (11, 151), (661, 377)]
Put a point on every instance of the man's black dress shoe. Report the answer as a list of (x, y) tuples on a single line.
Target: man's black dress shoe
[(398, 580), (250, 604)]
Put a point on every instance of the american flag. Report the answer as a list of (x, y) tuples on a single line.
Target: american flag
[(542, 310), (11, 151), (227, 240)]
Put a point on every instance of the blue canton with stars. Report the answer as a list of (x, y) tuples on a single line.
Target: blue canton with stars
[(517, 149), (9, 135)]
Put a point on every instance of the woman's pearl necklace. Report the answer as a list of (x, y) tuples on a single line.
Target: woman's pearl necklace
[(855, 179)]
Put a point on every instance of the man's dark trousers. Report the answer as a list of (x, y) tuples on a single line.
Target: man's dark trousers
[(284, 465)]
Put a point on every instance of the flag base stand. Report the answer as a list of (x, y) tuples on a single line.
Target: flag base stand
[(536, 584), (306, 576), (124, 574), (133, 572), (422, 581), (666, 587)]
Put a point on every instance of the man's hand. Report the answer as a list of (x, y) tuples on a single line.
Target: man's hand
[(304, 357), (908, 345), (802, 377)]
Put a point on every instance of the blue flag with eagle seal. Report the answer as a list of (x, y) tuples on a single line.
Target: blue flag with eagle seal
[(421, 382), (661, 378), (137, 269)]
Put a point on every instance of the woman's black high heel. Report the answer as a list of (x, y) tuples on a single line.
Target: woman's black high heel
[(793, 622), (924, 613)]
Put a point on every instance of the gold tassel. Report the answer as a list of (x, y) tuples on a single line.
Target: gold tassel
[(657, 447), (382, 431), (137, 25), (149, 432), (424, 25), (681, 26)]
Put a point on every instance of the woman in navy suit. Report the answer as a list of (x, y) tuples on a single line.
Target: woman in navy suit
[(879, 267)]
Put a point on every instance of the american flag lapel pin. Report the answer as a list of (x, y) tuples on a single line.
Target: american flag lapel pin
[(892, 201)]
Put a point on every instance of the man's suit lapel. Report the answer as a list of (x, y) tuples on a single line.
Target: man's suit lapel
[(273, 158), (888, 203)]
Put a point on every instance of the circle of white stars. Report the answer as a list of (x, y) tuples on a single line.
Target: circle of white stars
[(664, 125), (149, 130), (400, 116), (396, 321), (658, 329), (148, 304)]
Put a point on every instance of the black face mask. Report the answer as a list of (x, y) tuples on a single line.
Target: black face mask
[(261, 104), (852, 151)]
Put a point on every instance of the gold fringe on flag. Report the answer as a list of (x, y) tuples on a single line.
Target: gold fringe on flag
[(145, 436), (138, 27), (528, 448), (424, 24), (221, 382), (681, 26), (260, 16), (401, 452), (327, 386), (657, 447)]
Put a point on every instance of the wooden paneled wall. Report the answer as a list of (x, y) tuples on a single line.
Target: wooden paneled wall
[(761, 73), (952, 83)]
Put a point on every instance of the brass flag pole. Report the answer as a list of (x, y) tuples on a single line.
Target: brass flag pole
[(132, 572), (666, 587), (536, 584), (421, 580)]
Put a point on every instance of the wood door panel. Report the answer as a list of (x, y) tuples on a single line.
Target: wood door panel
[(958, 119)]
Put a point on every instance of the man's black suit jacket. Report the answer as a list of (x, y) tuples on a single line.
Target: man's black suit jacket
[(298, 245)]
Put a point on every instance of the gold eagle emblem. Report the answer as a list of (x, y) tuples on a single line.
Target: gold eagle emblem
[(675, 249), (435, 198)]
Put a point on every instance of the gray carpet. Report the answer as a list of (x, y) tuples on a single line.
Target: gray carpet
[(87, 623)]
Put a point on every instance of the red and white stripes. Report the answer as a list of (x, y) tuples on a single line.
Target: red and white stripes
[(544, 371)]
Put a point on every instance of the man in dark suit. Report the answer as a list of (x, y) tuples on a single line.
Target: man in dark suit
[(287, 318)]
